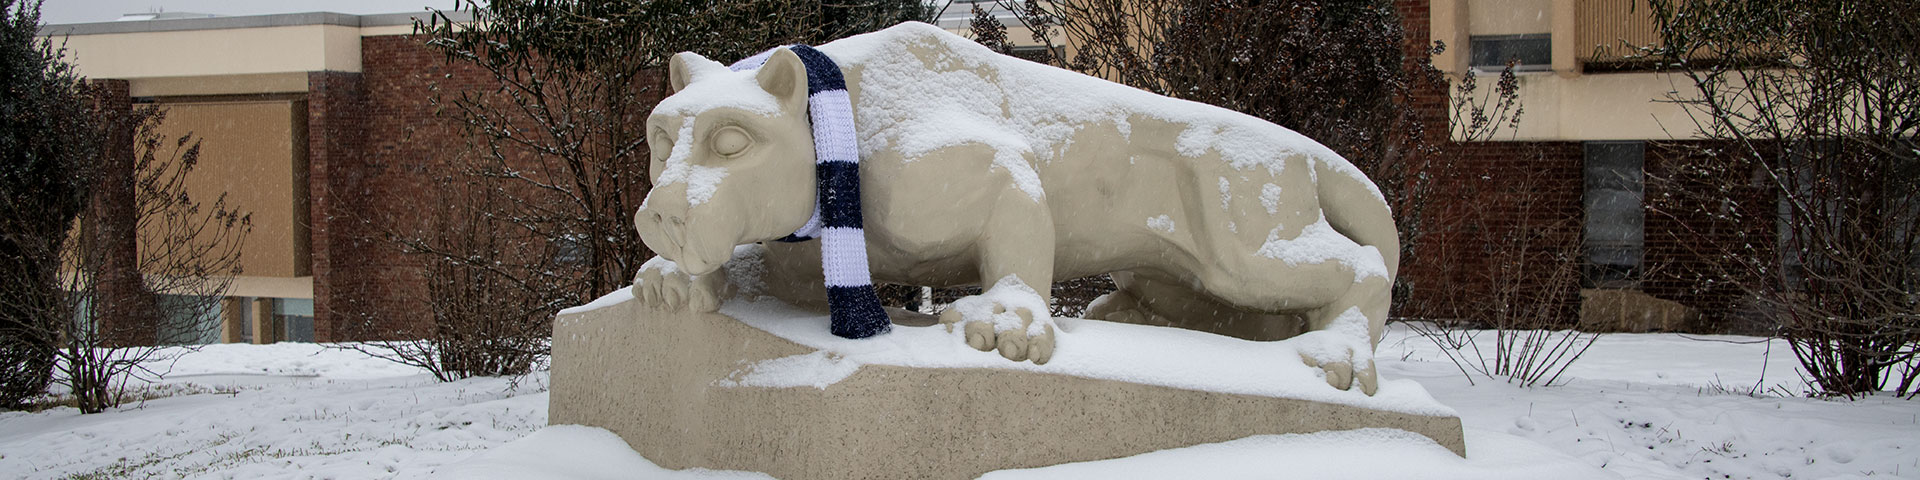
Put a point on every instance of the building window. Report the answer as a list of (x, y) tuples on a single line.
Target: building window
[(236, 309), (1615, 239), (189, 320), (571, 249), (1035, 53), (1530, 52), (295, 317)]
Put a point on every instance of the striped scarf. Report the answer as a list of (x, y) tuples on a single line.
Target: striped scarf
[(836, 213)]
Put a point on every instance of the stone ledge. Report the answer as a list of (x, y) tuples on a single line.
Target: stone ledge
[(653, 377)]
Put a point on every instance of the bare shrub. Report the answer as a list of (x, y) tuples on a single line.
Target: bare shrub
[(490, 302), (1514, 314), (1815, 105), (537, 213), (145, 266)]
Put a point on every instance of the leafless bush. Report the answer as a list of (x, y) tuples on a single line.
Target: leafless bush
[(1511, 313), (1815, 104), (146, 265), (537, 213), (491, 292)]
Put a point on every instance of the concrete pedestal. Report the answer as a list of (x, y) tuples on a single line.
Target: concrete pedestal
[(653, 378)]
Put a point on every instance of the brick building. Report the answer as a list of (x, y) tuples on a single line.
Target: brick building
[(322, 125), (1592, 157)]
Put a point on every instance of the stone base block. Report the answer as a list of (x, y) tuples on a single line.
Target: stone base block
[(1632, 311), (659, 380)]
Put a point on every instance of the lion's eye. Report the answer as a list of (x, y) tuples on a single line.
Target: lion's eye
[(730, 141)]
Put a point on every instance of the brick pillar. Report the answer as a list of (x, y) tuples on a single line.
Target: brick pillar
[(336, 103), (126, 311)]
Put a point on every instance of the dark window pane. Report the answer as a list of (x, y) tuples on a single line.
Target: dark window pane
[(571, 249), (295, 316), (1492, 52), (1034, 53), (188, 320), (1615, 233)]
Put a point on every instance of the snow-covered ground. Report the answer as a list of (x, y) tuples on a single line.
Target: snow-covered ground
[(1636, 406)]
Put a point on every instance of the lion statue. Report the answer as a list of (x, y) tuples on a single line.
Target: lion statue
[(980, 168)]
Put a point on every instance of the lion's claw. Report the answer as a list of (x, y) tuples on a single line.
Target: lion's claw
[(1337, 359), (661, 284), (1000, 322)]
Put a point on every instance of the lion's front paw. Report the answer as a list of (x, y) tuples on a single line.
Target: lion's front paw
[(1010, 317), (661, 284), (1347, 361)]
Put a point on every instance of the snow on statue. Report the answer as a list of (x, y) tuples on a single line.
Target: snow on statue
[(959, 165)]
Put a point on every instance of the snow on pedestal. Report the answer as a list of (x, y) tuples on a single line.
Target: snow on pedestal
[(761, 386)]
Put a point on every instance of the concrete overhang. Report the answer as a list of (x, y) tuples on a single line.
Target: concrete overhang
[(214, 46)]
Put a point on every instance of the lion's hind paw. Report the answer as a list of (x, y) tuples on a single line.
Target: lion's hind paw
[(1347, 362)]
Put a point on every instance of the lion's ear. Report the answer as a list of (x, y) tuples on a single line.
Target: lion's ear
[(685, 67), (784, 76)]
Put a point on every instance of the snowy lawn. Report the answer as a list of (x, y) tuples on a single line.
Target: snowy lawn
[(1636, 406)]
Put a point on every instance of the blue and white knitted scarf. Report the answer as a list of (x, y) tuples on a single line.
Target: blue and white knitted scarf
[(836, 213)]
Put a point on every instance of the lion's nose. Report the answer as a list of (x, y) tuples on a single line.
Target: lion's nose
[(674, 226)]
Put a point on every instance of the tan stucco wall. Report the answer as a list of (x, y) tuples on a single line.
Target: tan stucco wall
[(1448, 20), (301, 48), (247, 151), (275, 287), (1564, 104), (1619, 106), (254, 83), (1509, 17)]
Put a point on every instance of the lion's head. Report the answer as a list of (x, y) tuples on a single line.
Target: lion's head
[(732, 160)]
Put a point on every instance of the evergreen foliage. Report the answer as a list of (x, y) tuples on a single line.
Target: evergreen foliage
[(45, 119)]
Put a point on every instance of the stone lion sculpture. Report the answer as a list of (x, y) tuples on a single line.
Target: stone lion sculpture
[(978, 168)]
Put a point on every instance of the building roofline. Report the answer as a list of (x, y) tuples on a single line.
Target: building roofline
[(248, 21)]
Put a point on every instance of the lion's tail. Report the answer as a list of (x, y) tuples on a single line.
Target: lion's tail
[(1354, 207)]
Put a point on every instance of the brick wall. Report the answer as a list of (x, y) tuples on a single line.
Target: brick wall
[(1687, 235), (1492, 188), (1489, 203), (382, 151), (335, 139), (377, 144), (122, 302)]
